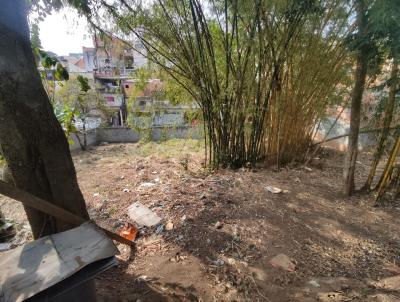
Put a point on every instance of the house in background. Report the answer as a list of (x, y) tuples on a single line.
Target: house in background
[(75, 64), (89, 56), (113, 62), (111, 65), (151, 109)]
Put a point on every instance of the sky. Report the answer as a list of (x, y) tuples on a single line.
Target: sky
[(64, 32)]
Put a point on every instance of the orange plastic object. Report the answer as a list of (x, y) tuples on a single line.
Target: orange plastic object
[(129, 231)]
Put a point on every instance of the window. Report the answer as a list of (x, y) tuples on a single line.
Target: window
[(109, 99)]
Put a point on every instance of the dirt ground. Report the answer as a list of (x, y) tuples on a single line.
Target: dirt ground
[(227, 227)]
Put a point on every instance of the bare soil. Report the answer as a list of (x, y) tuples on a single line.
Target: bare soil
[(227, 227)]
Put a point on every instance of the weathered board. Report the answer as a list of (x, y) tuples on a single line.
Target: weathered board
[(38, 265), (142, 215)]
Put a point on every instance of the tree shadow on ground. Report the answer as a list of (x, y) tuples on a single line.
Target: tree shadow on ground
[(120, 285), (323, 239), (283, 230)]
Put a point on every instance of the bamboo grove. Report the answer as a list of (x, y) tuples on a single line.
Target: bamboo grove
[(386, 117), (264, 72), (254, 67)]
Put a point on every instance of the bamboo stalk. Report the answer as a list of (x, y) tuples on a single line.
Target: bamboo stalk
[(386, 125), (383, 182)]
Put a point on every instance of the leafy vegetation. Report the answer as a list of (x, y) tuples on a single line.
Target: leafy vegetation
[(264, 72), (241, 65), (152, 92), (76, 100)]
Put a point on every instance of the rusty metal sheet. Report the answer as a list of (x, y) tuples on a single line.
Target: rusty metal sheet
[(38, 265)]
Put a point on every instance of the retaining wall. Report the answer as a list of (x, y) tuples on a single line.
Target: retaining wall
[(127, 135)]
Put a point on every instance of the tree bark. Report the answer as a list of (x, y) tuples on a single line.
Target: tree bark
[(357, 93), (84, 135), (32, 140)]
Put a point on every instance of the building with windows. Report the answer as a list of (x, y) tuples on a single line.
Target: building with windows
[(113, 62), (111, 65)]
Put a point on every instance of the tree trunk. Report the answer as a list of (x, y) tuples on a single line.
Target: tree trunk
[(358, 90), (389, 109), (84, 135), (32, 140)]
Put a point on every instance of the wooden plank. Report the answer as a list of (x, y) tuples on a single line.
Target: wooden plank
[(51, 209)]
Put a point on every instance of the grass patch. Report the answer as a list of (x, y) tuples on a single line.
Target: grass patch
[(170, 148)]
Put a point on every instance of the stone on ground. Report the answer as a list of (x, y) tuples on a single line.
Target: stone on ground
[(284, 262)]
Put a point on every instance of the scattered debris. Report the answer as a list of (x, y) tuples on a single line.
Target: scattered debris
[(156, 205), (284, 262), (151, 240), (390, 283), (183, 218), (285, 191), (142, 215), (273, 190), (96, 194), (308, 241), (143, 278), (178, 257), (204, 196), (392, 267), (238, 182), (6, 227), (169, 226), (218, 225), (217, 262), (308, 169), (5, 246), (160, 229), (119, 223), (129, 231), (235, 235), (331, 297), (296, 227), (258, 273), (147, 185), (126, 190), (314, 283)]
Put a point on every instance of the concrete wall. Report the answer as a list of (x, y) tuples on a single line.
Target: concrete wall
[(91, 139), (182, 132), (127, 135), (117, 135)]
